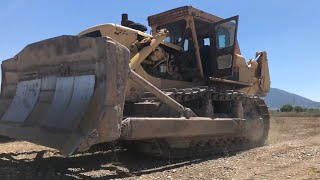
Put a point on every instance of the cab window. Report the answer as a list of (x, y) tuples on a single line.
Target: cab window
[(225, 34), (223, 38), (176, 31)]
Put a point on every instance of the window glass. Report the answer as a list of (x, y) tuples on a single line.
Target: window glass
[(167, 39), (206, 41), (223, 38), (176, 31), (225, 34), (186, 45), (222, 41), (224, 61)]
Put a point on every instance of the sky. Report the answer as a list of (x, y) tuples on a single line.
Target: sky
[(288, 30)]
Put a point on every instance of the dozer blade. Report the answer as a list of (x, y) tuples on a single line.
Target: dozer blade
[(66, 92)]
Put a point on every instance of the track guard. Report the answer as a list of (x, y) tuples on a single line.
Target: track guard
[(66, 92)]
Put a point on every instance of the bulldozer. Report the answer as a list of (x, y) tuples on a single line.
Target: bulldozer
[(183, 89)]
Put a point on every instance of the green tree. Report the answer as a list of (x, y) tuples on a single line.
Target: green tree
[(299, 109), (313, 110), (286, 108)]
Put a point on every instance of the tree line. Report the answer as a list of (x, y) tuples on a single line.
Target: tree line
[(290, 108)]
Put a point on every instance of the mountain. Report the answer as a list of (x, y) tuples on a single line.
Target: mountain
[(277, 98)]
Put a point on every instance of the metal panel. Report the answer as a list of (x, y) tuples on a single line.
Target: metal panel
[(43, 104), (81, 96), (4, 104), (71, 99), (61, 99), (48, 83), (23, 102), (135, 128), (9, 90)]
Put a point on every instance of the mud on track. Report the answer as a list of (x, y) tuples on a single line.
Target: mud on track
[(293, 152)]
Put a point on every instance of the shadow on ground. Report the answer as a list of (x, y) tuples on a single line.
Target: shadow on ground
[(98, 165)]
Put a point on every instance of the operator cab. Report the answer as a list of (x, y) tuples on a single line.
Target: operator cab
[(209, 42)]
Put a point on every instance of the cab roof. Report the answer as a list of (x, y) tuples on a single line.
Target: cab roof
[(179, 14)]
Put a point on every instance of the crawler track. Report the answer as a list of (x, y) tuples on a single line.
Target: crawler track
[(255, 134)]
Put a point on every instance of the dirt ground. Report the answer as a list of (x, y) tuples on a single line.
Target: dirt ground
[(293, 152)]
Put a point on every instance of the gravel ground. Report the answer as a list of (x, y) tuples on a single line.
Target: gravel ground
[(293, 152)]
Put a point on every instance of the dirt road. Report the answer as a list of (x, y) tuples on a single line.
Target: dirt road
[(293, 152)]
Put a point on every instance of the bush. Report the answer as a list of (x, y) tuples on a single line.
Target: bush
[(313, 110), (286, 108), (299, 109), (295, 111)]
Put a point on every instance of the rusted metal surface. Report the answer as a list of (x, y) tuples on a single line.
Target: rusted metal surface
[(173, 14), (196, 46), (57, 102), (183, 12)]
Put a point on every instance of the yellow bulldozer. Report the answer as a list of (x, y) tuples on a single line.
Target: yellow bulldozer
[(182, 90)]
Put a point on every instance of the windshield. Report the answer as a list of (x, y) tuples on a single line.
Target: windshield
[(176, 31)]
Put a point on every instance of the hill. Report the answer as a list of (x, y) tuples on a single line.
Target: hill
[(277, 97)]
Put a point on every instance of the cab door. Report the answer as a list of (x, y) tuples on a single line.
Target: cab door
[(223, 36)]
